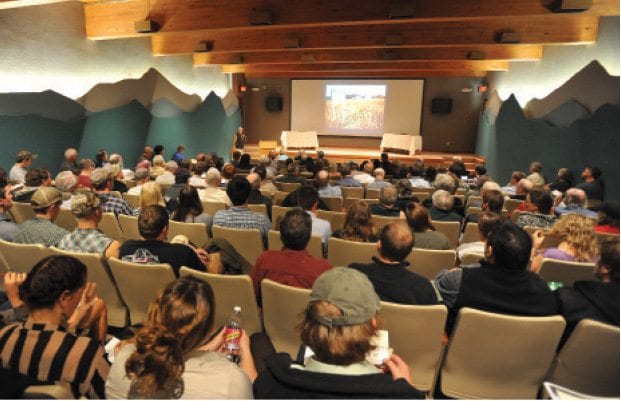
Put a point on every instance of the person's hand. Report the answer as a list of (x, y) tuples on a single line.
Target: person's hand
[(398, 368), (12, 281), (244, 344), (202, 255), (89, 311), (216, 343), (538, 237)]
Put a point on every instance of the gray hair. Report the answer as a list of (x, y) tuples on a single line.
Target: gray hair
[(445, 182), (158, 160), (388, 195), (171, 166), (442, 200), (379, 171), (116, 158), (66, 181), (490, 186), (70, 152), (141, 174), (575, 197), (213, 177), (525, 184)]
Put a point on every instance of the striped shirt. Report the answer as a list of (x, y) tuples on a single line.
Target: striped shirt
[(51, 355), (112, 204), (39, 231), (85, 240)]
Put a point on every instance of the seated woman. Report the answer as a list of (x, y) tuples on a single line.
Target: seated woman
[(608, 218), (190, 209), (487, 221), (404, 194), (425, 234), (46, 349), (172, 356), (151, 194), (358, 226), (577, 241), (338, 326)]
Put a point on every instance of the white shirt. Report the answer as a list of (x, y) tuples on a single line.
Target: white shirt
[(418, 182), (196, 181), (321, 227), (471, 247), (214, 194), (18, 174), (134, 190), (364, 178), (166, 179)]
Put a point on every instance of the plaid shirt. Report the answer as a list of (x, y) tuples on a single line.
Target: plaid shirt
[(86, 240), (112, 204), (242, 217), (39, 231)]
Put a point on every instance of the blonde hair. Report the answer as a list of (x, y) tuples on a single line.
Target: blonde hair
[(578, 232), (151, 194)]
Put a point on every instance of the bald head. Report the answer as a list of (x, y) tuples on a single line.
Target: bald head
[(396, 242), (322, 178), (524, 186), (254, 180), (575, 197)]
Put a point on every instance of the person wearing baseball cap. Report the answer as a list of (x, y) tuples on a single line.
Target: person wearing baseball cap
[(86, 238), (339, 324), (41, 228), (23, 160)]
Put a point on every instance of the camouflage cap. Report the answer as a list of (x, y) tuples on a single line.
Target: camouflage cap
[(100, 175), (46, 196), (84, 203), (25, 155)]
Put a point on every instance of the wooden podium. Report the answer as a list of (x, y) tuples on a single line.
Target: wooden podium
[(299, 139)]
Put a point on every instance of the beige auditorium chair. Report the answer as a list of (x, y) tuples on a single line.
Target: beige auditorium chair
[(278, 213), (497, 356), (589, 360), (281, 318), (248, 243), (471, 233), (139, 284), (566, 272), (372, 193), (196, 232), (429, 262), (279, 196), (336, 219), (472, 258), (451, 229), (211, 207), (22, 257), (109, 225), (334, 203), (289, 187), (258, 208), (347, 202), (129, 226), (47, 392), (352, 192), (133, 200), (21, 212), (512, 204), (314, 244), (343, 253), (421, 195), (474, 200), (601, 237), (473, 210), (66, 220), (415, 332), (230, 291), (380, 222)]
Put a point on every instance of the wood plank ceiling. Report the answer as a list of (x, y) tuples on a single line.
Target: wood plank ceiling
[(355, 38)]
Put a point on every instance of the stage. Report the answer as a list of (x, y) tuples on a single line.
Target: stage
[(344, 154)]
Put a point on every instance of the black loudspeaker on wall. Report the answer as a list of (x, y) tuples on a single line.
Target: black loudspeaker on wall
[(441, 105), (273, 103)]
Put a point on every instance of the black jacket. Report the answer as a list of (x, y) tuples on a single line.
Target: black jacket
[(280, 381)]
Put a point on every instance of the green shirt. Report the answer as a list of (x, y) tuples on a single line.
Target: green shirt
[(39, 231)]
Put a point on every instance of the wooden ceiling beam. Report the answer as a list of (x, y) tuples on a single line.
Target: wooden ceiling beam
[(368, 74), (491, 52), (561, 29), (484, 65), (115, 19)]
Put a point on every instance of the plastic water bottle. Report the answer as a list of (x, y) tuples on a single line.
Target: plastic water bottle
[(232, 335)]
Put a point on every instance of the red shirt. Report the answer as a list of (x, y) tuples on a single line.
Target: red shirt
[(294, 268), (607, 229), (85, 181)]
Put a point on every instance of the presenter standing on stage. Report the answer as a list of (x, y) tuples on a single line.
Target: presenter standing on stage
[(240, 139)]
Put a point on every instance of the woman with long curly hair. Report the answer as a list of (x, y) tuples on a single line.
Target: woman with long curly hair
[(358, 226), (172, 355), (578, 243)]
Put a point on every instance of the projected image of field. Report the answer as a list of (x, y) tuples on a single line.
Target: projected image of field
[(355, 107)]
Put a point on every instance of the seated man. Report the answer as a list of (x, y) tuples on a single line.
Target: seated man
[(338, 325), (387, 206), (142, 177), (7, 227), (539, 210), (293, 265), (379, 181), (70, 162), (447, 183), (486, 221), (503, 284), (168, 176), (102, 182), (575, 202), (308, 199), (239, 216), (365, 176), (322, 179), (41, 229), (23, 160), (67, 183), (293, 175), (597, 300), (197, 180), (492, 201), (536, 177), (442, 207), (348, 179), (388, 273), (523, 187), (591, 184), (35, 178), (86, 207), (510, 188), (153, 228), (213, 192), (256, 196)]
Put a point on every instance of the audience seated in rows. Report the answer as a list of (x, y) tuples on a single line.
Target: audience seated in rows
[(608, 218), (575, 202), (213, 192), (379, 180), (492, 200), (348, 179), (511, 187), (446, 183), (198, 170), (442, 207), (67, 183), (292, 176), (425, 234), (41, 228), (538, 210), (564, 181), (365, 177), (35, 179), (168, 176), (102, 182), (417, 175), (190, 209), (535, 176), (591, 185), (386, 206), (8, 228), (256, 197), (485, 223), (523, 187), (141, 177), (323, 185), (389, 273), (358, 226)]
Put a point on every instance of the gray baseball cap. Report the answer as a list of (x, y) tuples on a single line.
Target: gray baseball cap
[(100, 175), (84, 203), (46, 196), (350, 291)]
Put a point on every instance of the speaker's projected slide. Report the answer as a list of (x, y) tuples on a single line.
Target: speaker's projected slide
[(355, 107)]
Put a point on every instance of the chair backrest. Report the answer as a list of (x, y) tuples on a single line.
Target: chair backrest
[(281, 318), (279, 196), (139, 284), (133, 200), (349, 201), (342, 252), (278, 212), (499, 356), (372, 193), (471, 233), (258, 208), (47, 392), (211, 207), (380, 221), (109, 225), (449, 228), (471, 258), (473, 210), (248, 243), (21, 212), (589, 360), (66, 220), (566, 272), (416, 333), (352, 192), (99, 272), (429, 262), (512, 204), (335, 203), (421, 195), (601, 237), (336, 219), (22, 257), (289, 187), (196, 232), (129, 226), (314, 245), (474, 200), (230, 291)]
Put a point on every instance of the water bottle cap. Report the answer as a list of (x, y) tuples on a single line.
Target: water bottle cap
[(237, 309)]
